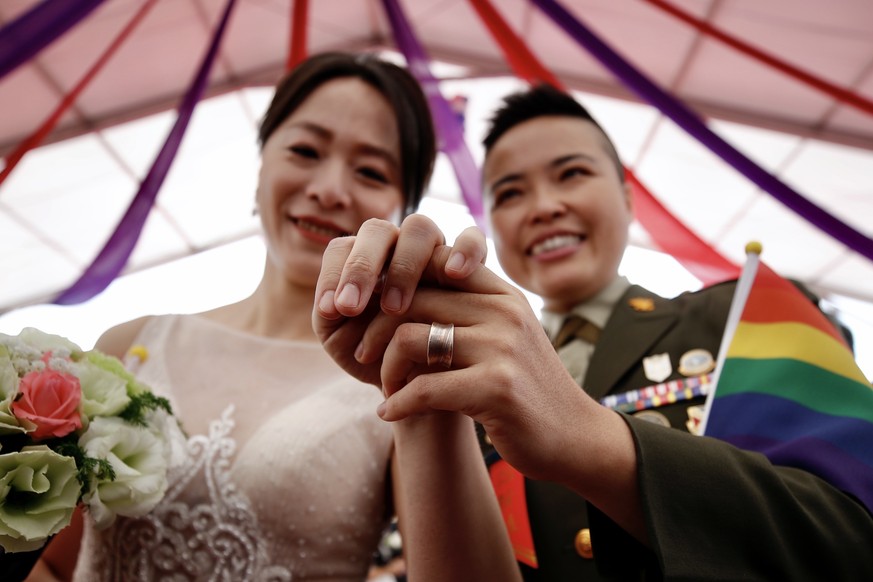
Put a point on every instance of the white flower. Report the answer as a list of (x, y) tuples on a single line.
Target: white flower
[(46, 342), (139, 457), (27, 350), (103, 393), (38, 493), (166, 426), (8, 389), (22, 356)]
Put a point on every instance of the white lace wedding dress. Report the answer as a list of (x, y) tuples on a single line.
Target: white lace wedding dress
[(285, 471)]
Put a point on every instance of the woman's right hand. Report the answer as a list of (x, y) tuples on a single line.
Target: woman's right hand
[(504, 372)]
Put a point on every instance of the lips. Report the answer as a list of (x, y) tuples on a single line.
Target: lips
[(555, 242), (320, 228)]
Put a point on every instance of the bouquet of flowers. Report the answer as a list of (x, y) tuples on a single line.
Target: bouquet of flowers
[(75, 427)]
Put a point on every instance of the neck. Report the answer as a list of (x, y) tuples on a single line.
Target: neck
[(568, 302), (277, 309)]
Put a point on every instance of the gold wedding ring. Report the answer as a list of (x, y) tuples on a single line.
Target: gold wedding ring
[(441, 344)]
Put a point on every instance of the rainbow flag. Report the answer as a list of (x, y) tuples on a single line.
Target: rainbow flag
[(787, 385)]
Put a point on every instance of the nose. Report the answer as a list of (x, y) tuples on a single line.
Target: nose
[(546, 205), (330, 185)]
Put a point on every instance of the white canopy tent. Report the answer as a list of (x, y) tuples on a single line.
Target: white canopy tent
[(61, 203)]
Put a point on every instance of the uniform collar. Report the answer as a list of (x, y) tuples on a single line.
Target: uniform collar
[(596, 310)]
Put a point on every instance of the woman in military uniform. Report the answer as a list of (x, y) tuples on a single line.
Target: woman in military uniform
[(608, 495)]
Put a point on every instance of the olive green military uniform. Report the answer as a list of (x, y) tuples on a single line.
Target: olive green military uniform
[(713, 512)]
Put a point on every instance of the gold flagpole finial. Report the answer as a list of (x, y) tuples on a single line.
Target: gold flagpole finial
[(754, 247)]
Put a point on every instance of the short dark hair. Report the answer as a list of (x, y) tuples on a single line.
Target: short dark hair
[(397, 85), (541, 101)]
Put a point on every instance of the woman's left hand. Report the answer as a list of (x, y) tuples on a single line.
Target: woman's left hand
[(380, 269)]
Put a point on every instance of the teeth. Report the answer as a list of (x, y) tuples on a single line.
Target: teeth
[(321, 230), (554, 242)]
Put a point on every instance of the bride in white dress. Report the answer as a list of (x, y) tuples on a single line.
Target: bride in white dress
[(287, 467)]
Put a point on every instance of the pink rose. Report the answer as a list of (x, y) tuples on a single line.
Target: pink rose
[(50, 400)]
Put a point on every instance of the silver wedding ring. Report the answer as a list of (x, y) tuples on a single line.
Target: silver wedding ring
[(441, 344)]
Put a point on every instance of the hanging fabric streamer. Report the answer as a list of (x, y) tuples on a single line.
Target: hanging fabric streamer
[(839, 93), (668, 232), (451, 134), (520, 58), (37, 137), (693, 125), (677, 240), (117, 250), (299, 26), (24, 37)]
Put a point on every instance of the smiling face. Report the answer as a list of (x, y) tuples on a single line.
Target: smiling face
[(559, 212), (331, 165)]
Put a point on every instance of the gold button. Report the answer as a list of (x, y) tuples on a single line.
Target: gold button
[(583, 543), (488, 439)]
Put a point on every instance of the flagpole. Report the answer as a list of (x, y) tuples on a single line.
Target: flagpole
[(738, 303)]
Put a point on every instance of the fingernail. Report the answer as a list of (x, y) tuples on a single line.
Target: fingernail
[(350, 296), (381, 409), (456, 262), (359, 351), (393, 299), (325, 304)]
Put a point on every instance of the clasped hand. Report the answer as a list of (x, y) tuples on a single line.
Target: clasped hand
[(376, 297)]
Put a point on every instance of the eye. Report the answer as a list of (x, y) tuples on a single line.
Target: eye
[(373, 174), (574, 171), (505, 195), (304, 151)]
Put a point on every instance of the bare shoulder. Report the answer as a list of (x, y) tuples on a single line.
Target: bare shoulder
[(115, 341)]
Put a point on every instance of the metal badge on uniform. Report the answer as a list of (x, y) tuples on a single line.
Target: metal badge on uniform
[(642, 303), (696, 362), (695, 419), (653, 417), (658, 367)]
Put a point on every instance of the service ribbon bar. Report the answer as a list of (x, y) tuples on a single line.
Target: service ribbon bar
[(659, 394)]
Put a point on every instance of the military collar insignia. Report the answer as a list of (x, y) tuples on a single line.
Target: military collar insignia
[(643, 304)]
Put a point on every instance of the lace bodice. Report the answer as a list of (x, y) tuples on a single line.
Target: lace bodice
[(284, 471)]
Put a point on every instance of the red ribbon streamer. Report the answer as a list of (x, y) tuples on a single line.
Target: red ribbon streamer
[(677, 240), (37, 137), (522, 61), (668, 232), (844, 95), (298, 41)]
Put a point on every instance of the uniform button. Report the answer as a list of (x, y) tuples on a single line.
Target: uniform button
[(583, 543), (488, 439)]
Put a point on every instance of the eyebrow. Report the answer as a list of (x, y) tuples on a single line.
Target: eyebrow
[(366, 148), (556, 163)]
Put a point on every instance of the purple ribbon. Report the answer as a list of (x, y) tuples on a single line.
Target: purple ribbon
[(118, 248), (692, 124), (449, 128), (24, 37)]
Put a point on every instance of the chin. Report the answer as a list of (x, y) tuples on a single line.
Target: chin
[(567, 291), (298, 272)]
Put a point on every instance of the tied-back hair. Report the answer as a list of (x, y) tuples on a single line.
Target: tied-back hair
[(542, 101), (395, 84)]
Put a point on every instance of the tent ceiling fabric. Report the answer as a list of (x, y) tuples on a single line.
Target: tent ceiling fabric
[(56, 211)]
